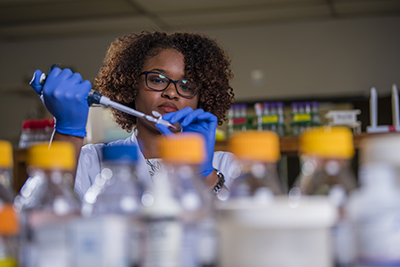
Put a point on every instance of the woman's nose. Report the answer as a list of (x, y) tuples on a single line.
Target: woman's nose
[(171, 91)]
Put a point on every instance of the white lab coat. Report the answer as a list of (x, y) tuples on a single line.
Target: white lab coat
[(90, 162)]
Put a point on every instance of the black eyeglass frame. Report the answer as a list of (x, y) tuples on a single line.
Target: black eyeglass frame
[(169, 82)]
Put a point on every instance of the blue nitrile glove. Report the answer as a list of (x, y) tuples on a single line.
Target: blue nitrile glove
[(65, 97), (35, 82), (197, 121)]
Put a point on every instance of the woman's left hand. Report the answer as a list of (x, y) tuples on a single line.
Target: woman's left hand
[(197, 121)]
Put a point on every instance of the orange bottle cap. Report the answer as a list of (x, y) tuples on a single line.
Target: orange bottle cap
[(327, 142), (188, 148), (8, 220), (60, 155), (255, 145)]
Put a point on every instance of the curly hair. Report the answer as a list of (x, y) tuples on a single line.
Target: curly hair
[(206, 64)]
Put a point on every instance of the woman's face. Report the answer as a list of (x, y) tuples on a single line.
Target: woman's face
[(170, 63)]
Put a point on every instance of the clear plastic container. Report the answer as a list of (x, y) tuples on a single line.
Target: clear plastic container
[(9, 227), (180, 226), (27, 134), (374, 213), (374, 207), (258, 224), (112, 206), (257, 174), (48, 206), (326, 154)]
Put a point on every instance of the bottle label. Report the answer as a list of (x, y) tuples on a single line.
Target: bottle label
[(163, 242), (301, 117), (239, 121), (270, 119), (207, 243), (105, 241), (51, 243)]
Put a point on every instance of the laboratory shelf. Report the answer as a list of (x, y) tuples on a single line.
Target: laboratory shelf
[(289, 145)]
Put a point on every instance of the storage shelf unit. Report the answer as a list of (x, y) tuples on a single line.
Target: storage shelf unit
[(289, 145)]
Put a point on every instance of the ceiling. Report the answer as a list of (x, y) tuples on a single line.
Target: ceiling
[(29, 19)]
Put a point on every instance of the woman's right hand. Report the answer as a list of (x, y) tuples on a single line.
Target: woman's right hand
[(65, 97)]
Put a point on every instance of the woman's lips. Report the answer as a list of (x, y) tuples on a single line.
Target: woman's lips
[(167, 108)]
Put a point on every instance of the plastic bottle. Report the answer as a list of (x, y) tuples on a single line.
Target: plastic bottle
[(243, 116), (294, 124), (237, 121), (258, 108), (315, 118), (274, 114), (36, 132), (258, 224), (39, 131), (112, 205), (281, 129), (230, 126), (302, 118), (326, 154), (9, 226), (179, 229), (48, 207), (379, 176), (258, 153), (26, 136), (50, 128), (374, 212), (266, 114)]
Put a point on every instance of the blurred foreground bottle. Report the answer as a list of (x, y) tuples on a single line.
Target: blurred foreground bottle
[(258, 224), (326, 154), (112, 205), (179, 229), (374, 207), (48, 206), (8, 217), (257, 153)]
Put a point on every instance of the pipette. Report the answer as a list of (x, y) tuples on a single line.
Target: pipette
[(97, 98)]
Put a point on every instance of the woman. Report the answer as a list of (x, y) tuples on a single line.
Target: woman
[(183, 76)]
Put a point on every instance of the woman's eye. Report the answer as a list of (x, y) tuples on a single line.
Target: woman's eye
[(156, 80), (159, 79), (186, 88), (185, 85)]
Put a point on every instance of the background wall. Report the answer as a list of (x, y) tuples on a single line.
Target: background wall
[(329, 58)]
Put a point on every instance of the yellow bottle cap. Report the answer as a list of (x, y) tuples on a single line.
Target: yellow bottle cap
[(8, 220), (5, 154), (60, 155), (327, 142), (8, 262), (188, 148), (255, 145)]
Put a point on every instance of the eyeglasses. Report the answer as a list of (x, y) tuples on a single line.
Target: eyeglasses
[(159, 82)]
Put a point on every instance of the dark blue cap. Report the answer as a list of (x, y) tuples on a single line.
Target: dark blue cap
[(126, 153)]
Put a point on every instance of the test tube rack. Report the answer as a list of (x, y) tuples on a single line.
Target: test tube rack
[(373, 105)]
